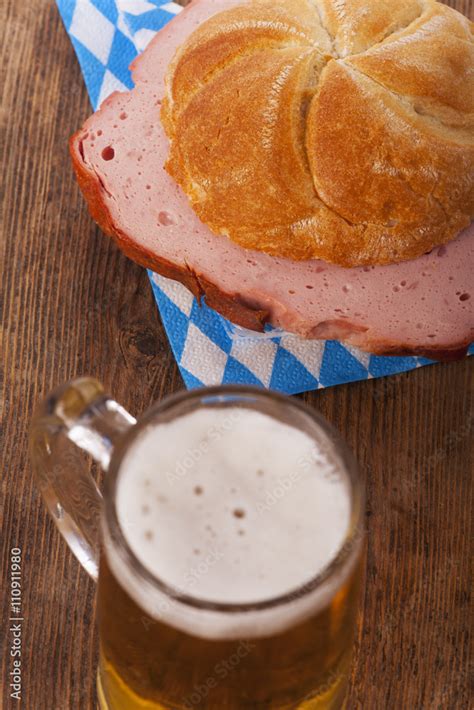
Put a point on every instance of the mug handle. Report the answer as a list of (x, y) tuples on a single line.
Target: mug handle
[(78, 412)]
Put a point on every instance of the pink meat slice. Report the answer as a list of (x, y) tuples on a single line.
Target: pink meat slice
[(425, 305)]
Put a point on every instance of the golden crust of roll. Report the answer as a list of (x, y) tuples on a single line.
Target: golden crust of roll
[(340, 130)]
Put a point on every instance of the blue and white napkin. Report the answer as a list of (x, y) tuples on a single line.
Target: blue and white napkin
[(107, 35)]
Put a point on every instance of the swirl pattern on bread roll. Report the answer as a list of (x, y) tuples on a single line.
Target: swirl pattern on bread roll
[(340, 130)]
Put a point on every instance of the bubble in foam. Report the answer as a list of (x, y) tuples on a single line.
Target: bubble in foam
[(290, 502)]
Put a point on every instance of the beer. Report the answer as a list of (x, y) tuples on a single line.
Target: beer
[(238, 587)]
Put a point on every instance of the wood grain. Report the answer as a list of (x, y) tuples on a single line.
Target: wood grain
[(72, 304)]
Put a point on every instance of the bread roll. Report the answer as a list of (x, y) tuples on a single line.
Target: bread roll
[(341, 130)]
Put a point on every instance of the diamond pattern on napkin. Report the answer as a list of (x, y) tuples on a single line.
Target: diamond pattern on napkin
[(107, 35), (258, 356), (199, 351), (92, 28)]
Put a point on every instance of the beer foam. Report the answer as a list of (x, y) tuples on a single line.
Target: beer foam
[(230, 506)]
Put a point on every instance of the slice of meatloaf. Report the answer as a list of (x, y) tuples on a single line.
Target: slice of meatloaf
[(421, 307)]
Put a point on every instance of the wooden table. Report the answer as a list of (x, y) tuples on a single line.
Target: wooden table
[(74, 305)]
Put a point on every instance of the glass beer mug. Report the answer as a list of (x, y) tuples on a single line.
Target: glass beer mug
[(226, 544)]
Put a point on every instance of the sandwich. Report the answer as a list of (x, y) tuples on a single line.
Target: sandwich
[(307, 164)]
